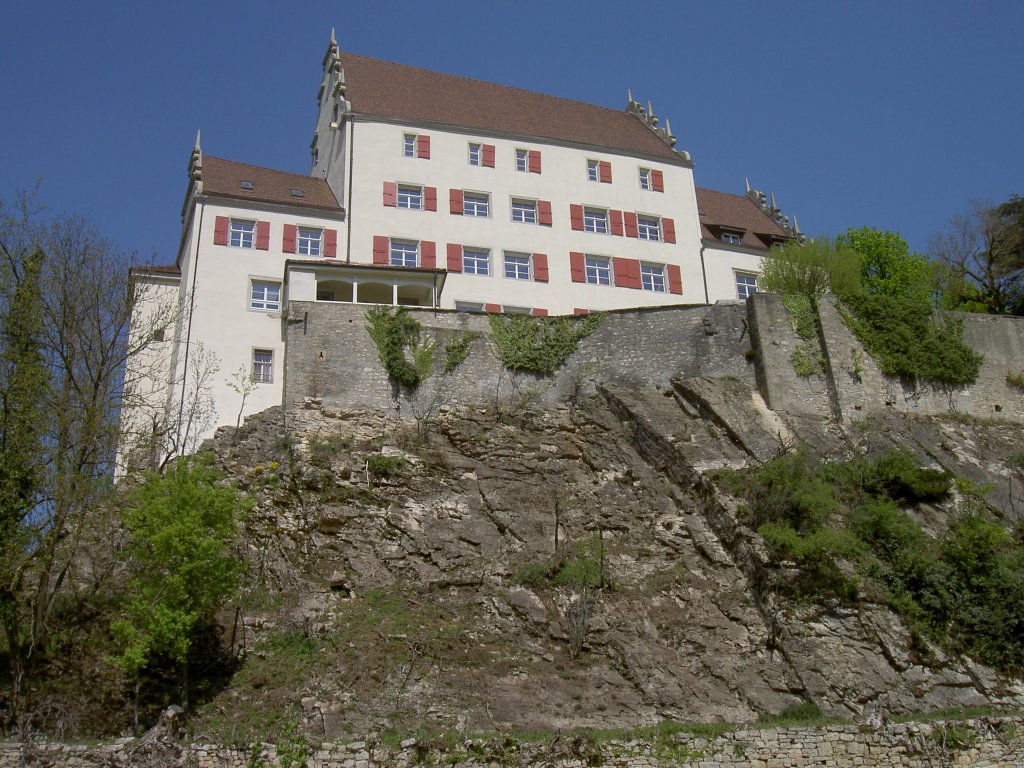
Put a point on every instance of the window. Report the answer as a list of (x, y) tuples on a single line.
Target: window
[(265, 296), (746, 284), (409, 145), (468, 306), (652, 277), (323, 294), (598, 270), (409, 197), (475, 154), (595, 220), (476, 261), (263, 366), (403, 253), (522, 160), (524, 211), (645, 178), (733, 238), (517, 266), (476, 204), (593, 170), (648, 228), (416, 145), (308, 241), (241, 234)]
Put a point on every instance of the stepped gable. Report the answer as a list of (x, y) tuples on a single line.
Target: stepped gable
[(386, 89), (224, 178), (720, 210)]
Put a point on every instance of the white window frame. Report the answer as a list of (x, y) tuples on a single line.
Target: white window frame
[(262, 366), (648, 228), (409, 144), (409, 197), (476, 154), (517, 266), (260, 295), (469, 306), (523, 160), (595, 220), (309, 241), (745, 289), (476, 261), (646, 181), (652, 277), (598, 269), (402, 251), (593, 170), (511, 310), (524, 211), (476, 204), (732, 238), (242, 233)]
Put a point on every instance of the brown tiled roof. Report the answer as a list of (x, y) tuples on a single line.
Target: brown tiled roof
[(224, 178), (161, 269), (738, 212), (385, 89)]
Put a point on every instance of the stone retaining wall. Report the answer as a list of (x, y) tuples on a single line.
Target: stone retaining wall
[(984, 742)]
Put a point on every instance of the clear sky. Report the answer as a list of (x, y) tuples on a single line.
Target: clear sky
[(889, 114)]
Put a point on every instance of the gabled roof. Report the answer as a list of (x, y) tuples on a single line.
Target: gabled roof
[(385, 89), (224, 178), (719, 211)]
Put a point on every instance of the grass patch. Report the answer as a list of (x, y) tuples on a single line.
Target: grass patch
[(800, 716), (581, 567)]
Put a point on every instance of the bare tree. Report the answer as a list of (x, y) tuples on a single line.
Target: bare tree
[(82, 340), (981, 258)]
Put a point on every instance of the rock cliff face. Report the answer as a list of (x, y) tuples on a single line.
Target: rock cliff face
[(557, 566)]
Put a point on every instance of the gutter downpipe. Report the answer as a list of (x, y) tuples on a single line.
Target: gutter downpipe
[(348, 209)]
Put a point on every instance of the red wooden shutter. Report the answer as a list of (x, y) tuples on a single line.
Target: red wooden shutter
[(544, 212), (576, 217), (580, 311), (675, 279), (605, 169), (430, 198), (263, 235), (330, 243), (577, 267), (454, 257), (539, 312), (380, 249), (668, 229), (220, 231), (428, 254), (620, 270), (616, 217), (488, 155), (630, 219), (423, 146), (288, 240), (492, 308), (658, 181), (534, 160), (390, 194), (455, 201), (540, 267), (633, 272)]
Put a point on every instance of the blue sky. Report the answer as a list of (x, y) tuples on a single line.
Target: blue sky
[(888, 114)]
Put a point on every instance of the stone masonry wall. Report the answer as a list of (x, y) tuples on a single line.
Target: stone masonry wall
[(985, 742), (330, 355)]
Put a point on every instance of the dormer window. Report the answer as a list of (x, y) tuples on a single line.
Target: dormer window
[(733, 238), (247, 185)]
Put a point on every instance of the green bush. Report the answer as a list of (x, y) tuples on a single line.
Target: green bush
[(385, 466), (581, 568)]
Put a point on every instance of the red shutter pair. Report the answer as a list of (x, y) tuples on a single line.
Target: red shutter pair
[(288, 241), (627, 272), (222, 224), (382, 246)]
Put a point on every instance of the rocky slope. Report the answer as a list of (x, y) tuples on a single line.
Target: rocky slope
[(398, 583)]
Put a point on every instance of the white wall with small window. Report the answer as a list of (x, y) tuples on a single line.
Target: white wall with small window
[(731, 273)]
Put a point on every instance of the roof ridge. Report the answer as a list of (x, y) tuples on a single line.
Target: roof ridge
[(489, 82)]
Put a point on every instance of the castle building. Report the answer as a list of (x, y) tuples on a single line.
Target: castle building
[(433, 190)]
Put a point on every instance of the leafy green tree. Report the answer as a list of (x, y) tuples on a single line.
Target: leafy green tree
[(182, 527), (811, 269), (886, 265), (980, 258)]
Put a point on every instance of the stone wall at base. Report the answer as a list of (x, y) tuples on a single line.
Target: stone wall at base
[(984, 742)]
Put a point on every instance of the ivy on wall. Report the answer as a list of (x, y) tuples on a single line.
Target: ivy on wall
[(408, 358), (539, 345)]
